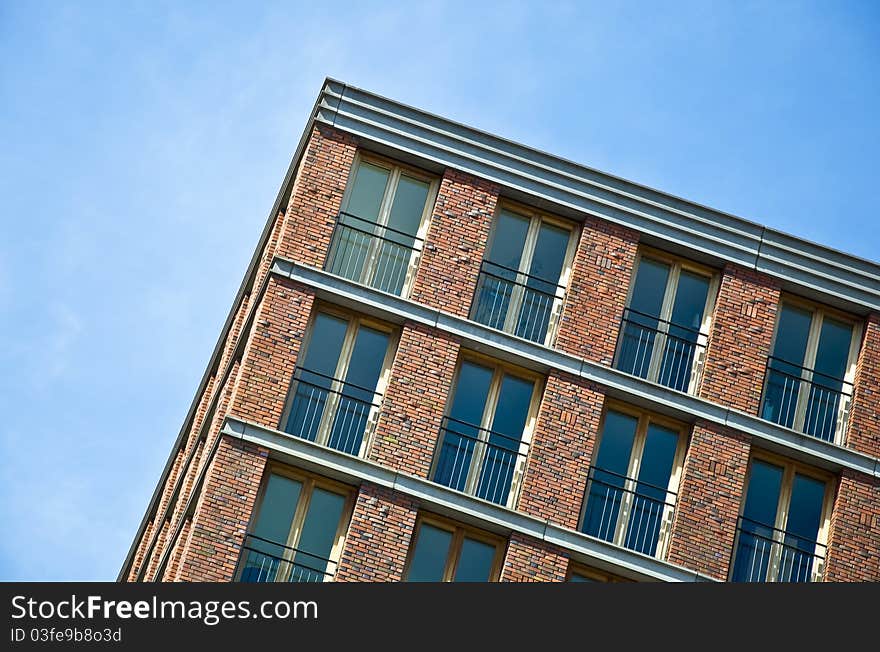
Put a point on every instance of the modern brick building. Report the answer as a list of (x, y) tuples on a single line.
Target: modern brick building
[(454, 357)]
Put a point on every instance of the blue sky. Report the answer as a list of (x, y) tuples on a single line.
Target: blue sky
[(142, 145)]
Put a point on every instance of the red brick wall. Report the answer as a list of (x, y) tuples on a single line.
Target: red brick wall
[(863, 433), (596, 296), (268, 362), (415, 399), (224, 510), (739, 343), (530, 560), (455, 243), (854, 534), (561, 449), (378, 537), (317, 196), (709, 496)]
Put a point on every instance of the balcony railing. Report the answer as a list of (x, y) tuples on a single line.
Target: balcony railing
[(633, 514), (331, 411), (805, 400), (765, 553), (372, 254), (513, 301), (478, 461), (659, 350), (263, 560)]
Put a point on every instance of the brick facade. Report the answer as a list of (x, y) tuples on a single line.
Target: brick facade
[(863, 433), (742, 332), (712, 485), (854, 532), (530, 560)]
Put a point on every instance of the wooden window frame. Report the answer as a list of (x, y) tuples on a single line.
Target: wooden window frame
[(789, 469), (499, 369), (396, 169), (677, 264), (577, 568), (310, 481), (645, 419), (355, 322), (459, 532), (818, 314), (536, 218)]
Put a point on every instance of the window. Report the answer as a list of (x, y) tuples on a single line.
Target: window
[(443, 551), (633, 482), (665, 326), (484, 438), (298, 531), (783, 527), (335, 392), (382, 225), (579, 573), (522, 280), (808, 382)]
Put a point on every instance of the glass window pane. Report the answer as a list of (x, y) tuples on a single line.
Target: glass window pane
[(317, 537), (792, 334), (826, 391), (407, 208), (429, 557), (508, 240), (581, 578), (315, 376), (356, 400), (609, 475), (649, 501), (474, 561), (365, 199), (396, 246), (759, 515), (499, 462), (650, 287), (541, 285), (265, 550), (684, 330), (801, 530), (642, 318), (690, 300), (783, 382), (833, 350), (496, 283), (463, 425)]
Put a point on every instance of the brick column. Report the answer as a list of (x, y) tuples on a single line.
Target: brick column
[(271, 354), (854, 534), (316, 197), (455, 243), (530, 560), (596, 296), (414, 401), (739, 343), (561, 449), (863, 433), (709, 496), (224, 510), (378, 537)]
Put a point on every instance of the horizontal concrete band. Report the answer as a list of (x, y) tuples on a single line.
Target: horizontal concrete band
[(438, 498), (541, 358), (821, 272)]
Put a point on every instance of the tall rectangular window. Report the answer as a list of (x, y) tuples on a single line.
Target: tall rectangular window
[(382, 225), (808, 381), (336, 389), (633, 481), (443, 551), (522, 281), (298, 530), (783, 526), (484, 439), (665, 326)]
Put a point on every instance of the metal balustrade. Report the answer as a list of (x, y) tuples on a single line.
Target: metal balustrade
[(804, 399), (636, 515), (659, 350), (478, 461), (330, 410), (765, 553), (372, 254), (513, 301), (263, 560)]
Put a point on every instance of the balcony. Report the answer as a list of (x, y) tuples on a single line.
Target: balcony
[(263, 560), (516, 302), (660, 351), (627, 512), (805, 400), (767, 554), (372, 254), (331, 411), (478, 461)]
